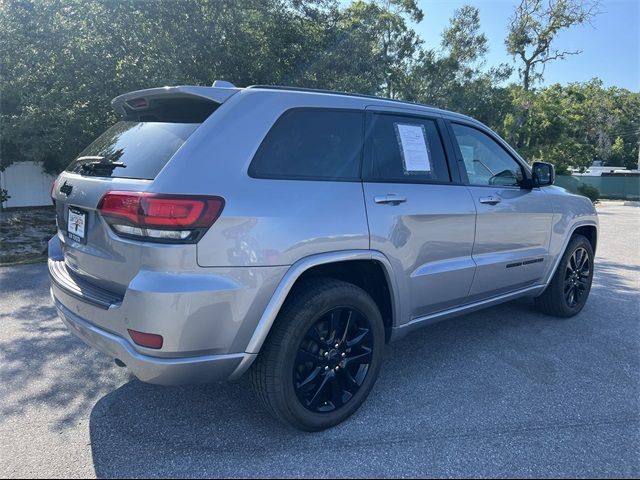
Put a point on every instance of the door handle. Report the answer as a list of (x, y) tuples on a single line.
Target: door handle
[(391, 199), (491, 200)]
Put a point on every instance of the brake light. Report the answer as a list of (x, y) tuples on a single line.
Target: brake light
[(158, 217)]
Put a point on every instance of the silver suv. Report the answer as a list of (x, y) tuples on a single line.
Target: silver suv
[(290, 233)]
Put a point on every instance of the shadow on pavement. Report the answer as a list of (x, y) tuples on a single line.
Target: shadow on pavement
[(41, 362)]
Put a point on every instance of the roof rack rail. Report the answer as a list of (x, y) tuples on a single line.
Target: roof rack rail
[(335, 92)]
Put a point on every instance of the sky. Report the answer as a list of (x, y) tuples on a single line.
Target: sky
[(610, 46)]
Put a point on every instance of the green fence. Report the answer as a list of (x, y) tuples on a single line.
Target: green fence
[(624, 188)]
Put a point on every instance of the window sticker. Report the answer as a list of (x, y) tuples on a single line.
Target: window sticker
[(412, 140)]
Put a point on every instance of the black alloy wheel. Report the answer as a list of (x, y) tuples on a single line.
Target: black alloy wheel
[(333, 360), (322, 356), (569, 288), (577, 276)]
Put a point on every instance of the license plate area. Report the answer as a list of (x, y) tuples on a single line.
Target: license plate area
[(77, 225)]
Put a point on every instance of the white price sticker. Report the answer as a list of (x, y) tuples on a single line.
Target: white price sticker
[(413, 143)]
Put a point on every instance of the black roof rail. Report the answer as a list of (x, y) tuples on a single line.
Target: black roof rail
[(335, 92)]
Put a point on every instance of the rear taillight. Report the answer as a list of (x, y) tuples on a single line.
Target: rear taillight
[(160, 218)]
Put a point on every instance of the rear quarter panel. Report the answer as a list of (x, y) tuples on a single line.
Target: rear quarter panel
[(265, 222)]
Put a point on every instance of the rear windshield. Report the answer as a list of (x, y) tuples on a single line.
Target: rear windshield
[(132, 149)]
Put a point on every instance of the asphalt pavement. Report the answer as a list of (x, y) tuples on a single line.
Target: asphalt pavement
[(502, 392)]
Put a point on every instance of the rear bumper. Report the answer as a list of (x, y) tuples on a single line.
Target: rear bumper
[(162, 371), (206, 317)]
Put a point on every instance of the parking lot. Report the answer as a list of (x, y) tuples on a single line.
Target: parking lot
[(501, 392)]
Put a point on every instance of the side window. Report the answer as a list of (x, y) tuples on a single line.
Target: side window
[(312, 144), (406, 149), (486, 162)]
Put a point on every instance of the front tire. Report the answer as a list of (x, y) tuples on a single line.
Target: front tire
[(322, 356), (569, 289)]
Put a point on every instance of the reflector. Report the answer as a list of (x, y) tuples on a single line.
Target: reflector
[(149, 340)]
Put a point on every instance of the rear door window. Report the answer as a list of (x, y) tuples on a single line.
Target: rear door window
[(312, 144), (132, 149), (405, 149)]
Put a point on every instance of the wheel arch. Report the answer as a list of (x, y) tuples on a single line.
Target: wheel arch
[(588, 229), (335, 265)]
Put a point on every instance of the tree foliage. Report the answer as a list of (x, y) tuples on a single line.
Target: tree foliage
[(61, 62), (573, 125), (534, 27)]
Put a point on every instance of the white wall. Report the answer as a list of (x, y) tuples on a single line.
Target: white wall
[(27, 185)]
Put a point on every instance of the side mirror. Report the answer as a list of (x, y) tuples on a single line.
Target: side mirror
[(543, 174)]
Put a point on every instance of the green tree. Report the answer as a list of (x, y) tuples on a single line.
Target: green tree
[(382, 28), (454, 77), (574, 124), (617, 153), (62, 62), (533, 29), (464, 43)]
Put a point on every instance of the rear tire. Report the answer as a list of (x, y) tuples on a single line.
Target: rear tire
[(569, 288), (322, 356)]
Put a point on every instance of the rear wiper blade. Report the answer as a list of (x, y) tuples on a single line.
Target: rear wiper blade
[(97, 163)]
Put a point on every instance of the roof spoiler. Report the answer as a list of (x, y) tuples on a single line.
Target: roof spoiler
[(140, 99)]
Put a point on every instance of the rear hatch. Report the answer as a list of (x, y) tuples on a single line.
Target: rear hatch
[(104, 250)]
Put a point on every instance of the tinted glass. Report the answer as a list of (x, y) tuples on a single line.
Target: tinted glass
[(486, 162), (311, 144), (406, 149), (132, 149)]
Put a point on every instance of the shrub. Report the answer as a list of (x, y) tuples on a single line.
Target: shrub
[(589, 191)]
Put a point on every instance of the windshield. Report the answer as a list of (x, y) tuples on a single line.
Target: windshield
[(132, 149)]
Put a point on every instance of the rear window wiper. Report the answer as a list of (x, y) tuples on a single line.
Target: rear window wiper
[(95, 163)]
